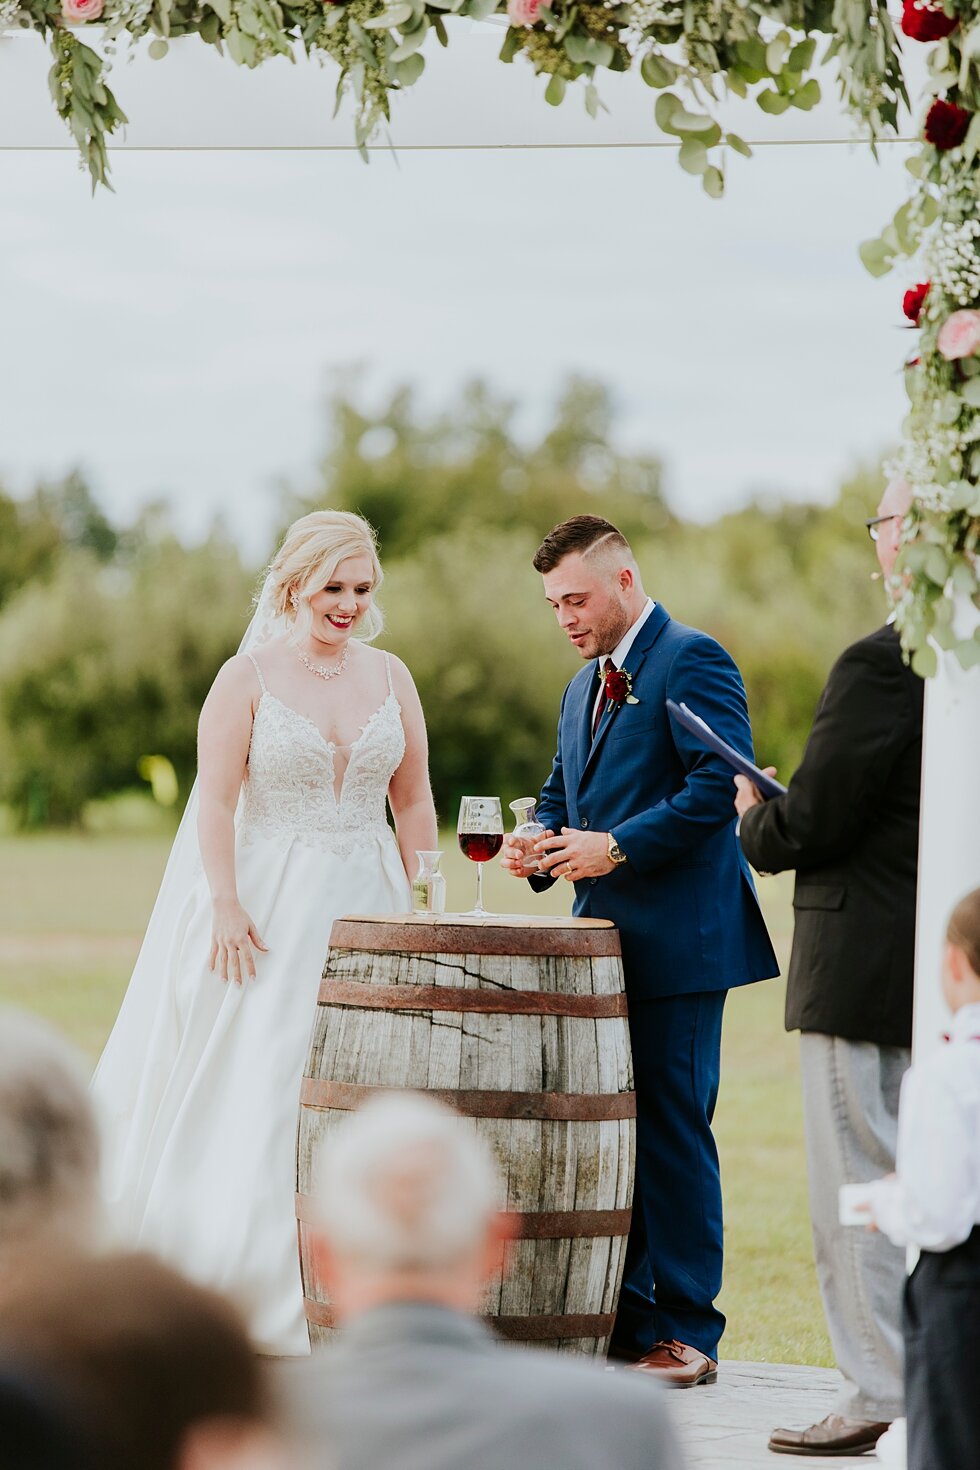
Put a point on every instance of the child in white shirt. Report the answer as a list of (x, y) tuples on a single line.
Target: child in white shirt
[(932, 1201)]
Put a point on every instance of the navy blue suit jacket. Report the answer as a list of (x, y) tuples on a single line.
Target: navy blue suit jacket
[(685, 903)]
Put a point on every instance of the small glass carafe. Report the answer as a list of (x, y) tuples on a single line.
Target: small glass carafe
[(528, 828), (429, 885)]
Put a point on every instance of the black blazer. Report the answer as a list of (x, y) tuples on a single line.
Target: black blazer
[(849, 825)]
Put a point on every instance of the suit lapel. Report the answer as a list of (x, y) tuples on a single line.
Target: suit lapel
[(645, 639), (579, 715)]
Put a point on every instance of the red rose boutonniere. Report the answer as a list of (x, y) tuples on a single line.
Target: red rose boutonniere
[(618, 684)]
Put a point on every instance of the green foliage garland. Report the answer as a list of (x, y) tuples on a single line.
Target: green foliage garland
[(694, 53), (83, 100)]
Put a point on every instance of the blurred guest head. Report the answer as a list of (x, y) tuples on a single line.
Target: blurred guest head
[(38, 1429), (408, 1205), (312, 554), (159, 1374), (892, 510), (592, 581), (49, 1151), (961, 968)]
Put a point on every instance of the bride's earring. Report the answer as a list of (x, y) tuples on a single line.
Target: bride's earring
[(294, 599)]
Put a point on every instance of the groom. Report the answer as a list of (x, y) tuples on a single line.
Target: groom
[(647, 836)]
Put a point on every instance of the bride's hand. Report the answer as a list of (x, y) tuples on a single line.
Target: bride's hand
[(232, 937)]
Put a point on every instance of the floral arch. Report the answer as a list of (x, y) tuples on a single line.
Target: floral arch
[(696, 55)]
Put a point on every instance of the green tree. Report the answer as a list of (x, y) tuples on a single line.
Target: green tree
[(103, 664), (110, 638), (785, 587), (35, 531), (468, 617), (415, 477), (29, 544)]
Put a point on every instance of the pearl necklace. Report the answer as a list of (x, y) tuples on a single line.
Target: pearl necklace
[(318, 669)]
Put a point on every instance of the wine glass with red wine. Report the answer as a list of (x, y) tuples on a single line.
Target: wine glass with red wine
[(481, 836)]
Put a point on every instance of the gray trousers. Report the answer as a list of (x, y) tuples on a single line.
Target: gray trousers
[(850, 1118)]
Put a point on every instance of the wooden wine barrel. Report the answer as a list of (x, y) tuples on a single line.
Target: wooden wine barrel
[(521, 1025)]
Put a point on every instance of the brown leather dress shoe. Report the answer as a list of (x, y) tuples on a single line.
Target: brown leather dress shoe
[(834, 1435), (676, 1365)]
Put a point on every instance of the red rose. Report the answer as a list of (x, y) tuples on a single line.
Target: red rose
[(618, 685), (914, 300), (925, 22), (946, 124)]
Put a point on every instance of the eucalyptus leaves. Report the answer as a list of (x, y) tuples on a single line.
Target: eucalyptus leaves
[(695, 53), (722, 48)]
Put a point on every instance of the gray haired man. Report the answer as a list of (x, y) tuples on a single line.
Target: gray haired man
[(49, 1145), (849, 826), (410, 1232)]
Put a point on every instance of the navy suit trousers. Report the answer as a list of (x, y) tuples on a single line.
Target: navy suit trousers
[(674, 1254)]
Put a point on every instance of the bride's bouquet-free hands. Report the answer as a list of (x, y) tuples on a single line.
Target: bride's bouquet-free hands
[(232, 936)]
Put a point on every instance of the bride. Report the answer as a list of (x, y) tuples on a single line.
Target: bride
[(304, 735)]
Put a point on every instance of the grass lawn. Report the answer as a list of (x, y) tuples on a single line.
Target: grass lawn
[(72, 910)]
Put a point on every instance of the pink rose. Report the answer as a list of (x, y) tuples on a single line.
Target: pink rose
[(77, 11), (959, 335), (523, 12)]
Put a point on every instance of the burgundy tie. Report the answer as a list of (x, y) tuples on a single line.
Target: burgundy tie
[(607, 666)]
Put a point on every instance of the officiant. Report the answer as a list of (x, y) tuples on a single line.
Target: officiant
[(849, 826), (642, 824)]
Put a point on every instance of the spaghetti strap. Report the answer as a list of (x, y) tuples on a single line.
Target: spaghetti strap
[(255, 666), (391, 687)]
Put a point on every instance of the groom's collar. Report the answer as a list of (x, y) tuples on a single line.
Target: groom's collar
[(634, 648), (620, 652)]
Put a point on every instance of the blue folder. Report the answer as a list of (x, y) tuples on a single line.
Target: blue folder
[(767, 786)]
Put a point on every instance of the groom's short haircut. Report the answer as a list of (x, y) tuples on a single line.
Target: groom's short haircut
[(406, 1185), (587, 535), (49, 1143)]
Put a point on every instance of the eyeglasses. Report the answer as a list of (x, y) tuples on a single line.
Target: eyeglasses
[(873, 524)]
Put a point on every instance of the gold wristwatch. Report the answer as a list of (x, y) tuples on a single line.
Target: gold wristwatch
[(615, 852)]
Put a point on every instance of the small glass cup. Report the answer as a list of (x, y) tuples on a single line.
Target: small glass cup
[(429, 885), (528, 829)]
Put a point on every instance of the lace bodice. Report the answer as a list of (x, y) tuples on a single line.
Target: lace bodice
[(291, 785)]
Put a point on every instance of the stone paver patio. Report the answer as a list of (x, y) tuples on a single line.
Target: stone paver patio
[(725, 1425)]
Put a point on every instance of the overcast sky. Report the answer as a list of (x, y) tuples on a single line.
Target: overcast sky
[(178, 338)]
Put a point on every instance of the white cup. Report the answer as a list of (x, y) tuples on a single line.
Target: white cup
[(852, 1202)]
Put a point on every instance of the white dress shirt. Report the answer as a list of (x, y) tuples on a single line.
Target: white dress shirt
[(933, 1200), (622, 648)]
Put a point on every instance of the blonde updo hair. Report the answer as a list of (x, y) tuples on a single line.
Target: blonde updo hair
[(308, 558)]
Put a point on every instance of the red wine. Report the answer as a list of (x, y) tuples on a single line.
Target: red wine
[(480, 847)]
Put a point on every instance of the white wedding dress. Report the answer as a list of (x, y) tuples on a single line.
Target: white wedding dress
[(198, 1087)]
